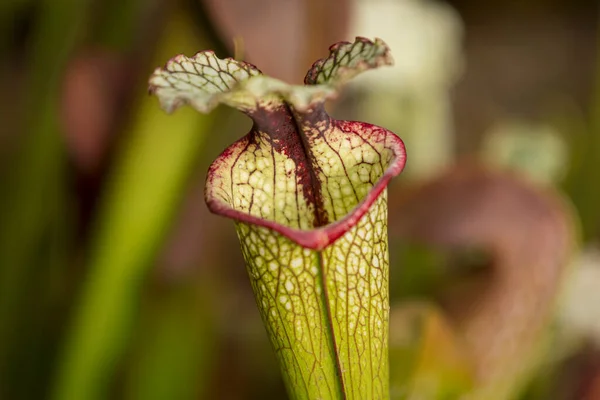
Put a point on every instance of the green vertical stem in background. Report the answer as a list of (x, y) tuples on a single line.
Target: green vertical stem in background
[(27, 211), (583, 183), (118, 21), (146, 186), (173, 356), (593, 202)]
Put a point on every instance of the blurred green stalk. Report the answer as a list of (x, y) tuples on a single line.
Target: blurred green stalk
[(146, 185), (32, 207), (583, 184), (594, 151), (174, 353)]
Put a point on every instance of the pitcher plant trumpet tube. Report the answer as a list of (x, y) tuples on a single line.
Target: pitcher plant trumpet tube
[(308, 197)]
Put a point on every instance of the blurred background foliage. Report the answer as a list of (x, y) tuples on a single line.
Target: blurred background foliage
[(116, 282)]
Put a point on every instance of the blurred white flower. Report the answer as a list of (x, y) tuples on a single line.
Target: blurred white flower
[(412, 98), (425, 37), (580, 310)]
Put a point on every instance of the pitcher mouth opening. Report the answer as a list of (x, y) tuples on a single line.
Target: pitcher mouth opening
[(315, 238)]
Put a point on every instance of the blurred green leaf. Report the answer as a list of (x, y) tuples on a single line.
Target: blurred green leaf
[(147, 183), (33, 203), (176, 346), (426, 358), (582, 184)]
